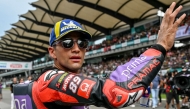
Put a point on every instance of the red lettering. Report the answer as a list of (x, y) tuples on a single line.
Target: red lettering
[(57, 85), (146, 70), (156, 62), (135, 80), (141, 75), (16, 65), (151, 66), (64, 87), (130, 85)]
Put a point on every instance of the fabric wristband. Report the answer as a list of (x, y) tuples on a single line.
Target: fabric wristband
[(160, 48)]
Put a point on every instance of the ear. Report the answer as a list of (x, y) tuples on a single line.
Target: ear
[(52, 52)]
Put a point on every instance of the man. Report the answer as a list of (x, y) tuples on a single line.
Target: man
[(62, 88), (161, 88), (28, 80), (21, 81), (171, 94), (154, 91), (11, 88)]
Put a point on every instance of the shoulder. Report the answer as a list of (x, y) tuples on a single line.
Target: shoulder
[(27, 81), (50, 74)]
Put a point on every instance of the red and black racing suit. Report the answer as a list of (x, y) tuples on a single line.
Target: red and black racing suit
[(56, 89)]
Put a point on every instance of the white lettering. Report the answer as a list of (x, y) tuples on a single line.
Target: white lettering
[(138, 61), (69, 27), (86, 107), (73, 87), (126, 74), (88, 90), (77, 80), (128, 68), (143, 57), (84, 87), (17, 103), (67, 81), (21, 105), (133, 65)]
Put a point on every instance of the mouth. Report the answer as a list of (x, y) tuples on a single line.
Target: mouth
[(75, 58)]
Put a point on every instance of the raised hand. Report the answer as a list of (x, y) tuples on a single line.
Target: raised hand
[(169, 26)]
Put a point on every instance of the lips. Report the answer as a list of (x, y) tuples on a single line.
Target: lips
[(75, 58)]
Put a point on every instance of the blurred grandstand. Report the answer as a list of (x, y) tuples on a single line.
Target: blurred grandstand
[(121, 29)]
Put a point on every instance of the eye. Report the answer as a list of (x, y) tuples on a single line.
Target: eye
[(67, 43), (83, 43)]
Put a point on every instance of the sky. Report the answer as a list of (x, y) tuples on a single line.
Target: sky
[(10, 11)]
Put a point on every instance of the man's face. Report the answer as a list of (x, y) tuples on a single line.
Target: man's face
[(14, 80), (29, 78), (176, 73), (68, 59), (21, 80)]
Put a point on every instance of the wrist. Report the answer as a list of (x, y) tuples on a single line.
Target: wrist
[(160, 48), (166, 48)]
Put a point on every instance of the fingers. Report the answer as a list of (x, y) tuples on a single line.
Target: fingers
[(168, 12), (178, 21), (174, 14), (171, 8), (170, 16), (164, 20)]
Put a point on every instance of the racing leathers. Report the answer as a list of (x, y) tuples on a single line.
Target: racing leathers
[(56, 89)]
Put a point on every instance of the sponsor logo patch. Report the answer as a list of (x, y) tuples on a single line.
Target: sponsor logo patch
[(66, 82), (69, 26), (85, 88), (61, 79)]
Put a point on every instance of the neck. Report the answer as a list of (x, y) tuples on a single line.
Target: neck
[(58, 67)]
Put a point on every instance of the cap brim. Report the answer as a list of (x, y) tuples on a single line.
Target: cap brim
[(87, 35)]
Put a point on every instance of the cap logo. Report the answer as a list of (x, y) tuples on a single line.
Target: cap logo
[(69, 26)]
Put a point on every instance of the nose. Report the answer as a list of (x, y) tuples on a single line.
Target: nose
[(75, 48)]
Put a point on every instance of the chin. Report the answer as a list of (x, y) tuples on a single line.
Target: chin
[(75, 68)]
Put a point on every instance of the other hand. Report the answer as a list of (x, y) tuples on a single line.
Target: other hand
[(169, 26)]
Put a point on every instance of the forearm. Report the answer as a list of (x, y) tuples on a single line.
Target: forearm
[(140, 70), (136, 75)]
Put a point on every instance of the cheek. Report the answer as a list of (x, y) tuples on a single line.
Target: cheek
[(61, 55), (83, 53)]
